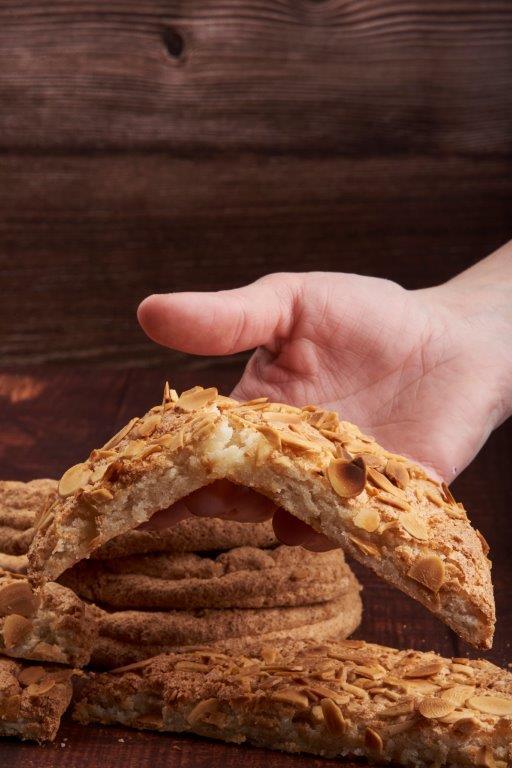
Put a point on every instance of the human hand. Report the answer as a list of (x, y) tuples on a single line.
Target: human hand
[(428, 372)]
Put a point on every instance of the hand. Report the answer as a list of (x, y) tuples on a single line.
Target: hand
[(428, 372)]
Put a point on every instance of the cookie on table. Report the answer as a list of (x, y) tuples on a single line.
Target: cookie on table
[(245, 577), (46, 624), (20, 504), (33, 699), (129, 636), (334, 699), (379, 507)]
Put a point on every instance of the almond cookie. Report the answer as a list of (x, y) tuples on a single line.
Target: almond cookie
[(381, 508), (47, 624), (245, 577), (128, 636), (335, 699), (32, 699), (20, 504)]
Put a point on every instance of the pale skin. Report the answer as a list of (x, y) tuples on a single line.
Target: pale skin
[(428, 373)]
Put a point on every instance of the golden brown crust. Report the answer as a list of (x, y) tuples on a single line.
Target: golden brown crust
[(20, 504), (402, 524), (244, 577), (195, 534), (33, 699), (331, 699), (47, 624), (128, 636)]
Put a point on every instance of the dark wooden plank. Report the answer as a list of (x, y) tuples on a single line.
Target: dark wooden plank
[(360, 77), (84, 238), (50, 418)]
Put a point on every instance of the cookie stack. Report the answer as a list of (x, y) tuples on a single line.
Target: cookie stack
[(204, 581)]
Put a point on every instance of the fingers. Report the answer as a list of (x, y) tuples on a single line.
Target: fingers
[(289, 530), (166, 518), (229, 501), (223, 322)]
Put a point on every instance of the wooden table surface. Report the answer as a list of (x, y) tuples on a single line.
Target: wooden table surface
[(51, 418)]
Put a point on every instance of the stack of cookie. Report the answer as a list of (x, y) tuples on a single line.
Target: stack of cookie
[(204, 581)]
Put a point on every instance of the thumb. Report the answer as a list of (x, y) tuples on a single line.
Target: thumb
[(222, 322)]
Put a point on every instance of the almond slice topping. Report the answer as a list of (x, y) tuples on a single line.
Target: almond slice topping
[(382, 482), (491, 705), (202, 710), (115, 439), (458, 694), (148, 426), (414, 525), (195, 399), (373, 740), (74, 479), (393, 501), (333, 717), (347, 478), (433, 708), (425, 669), (291, 696), (365, 547), (367, 519), (397, 472), (31, 675), (17, 597), (15, 629), (428, 570)]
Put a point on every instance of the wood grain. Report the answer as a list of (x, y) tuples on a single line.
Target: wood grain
[(358, 77), (52, 417)]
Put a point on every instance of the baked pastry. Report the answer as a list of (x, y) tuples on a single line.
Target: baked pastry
[(48, 624), (381, 508), (244, 577), (20, 504), (32, 699), (332, 699), (195, 534), (129, 636)]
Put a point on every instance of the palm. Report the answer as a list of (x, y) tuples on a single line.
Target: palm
[(381, 357)]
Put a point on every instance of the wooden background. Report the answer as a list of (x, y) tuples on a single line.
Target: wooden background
[(163, 145)]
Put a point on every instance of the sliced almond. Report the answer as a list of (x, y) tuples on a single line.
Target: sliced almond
[(17, 597), (273, 417), (365, 547), (270, 434), (393, 501), (382, 482), (458, 694), (372, 460), (298, 443), (99, 495), (202, 710), (428, 570), (347, 478), (448, 497), (367, 519), (291, 696), (491, 705), (196, 398), (425, 669), (435, 498), (15, 629), (191, 666), (74, 479), (396, 710), (133, 449), (333, 717), (146, 427), (433, 708), (31, 675), (414, 525), (373, 741), (397, 473), (149, 450), (115, 439), (39, 689)]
